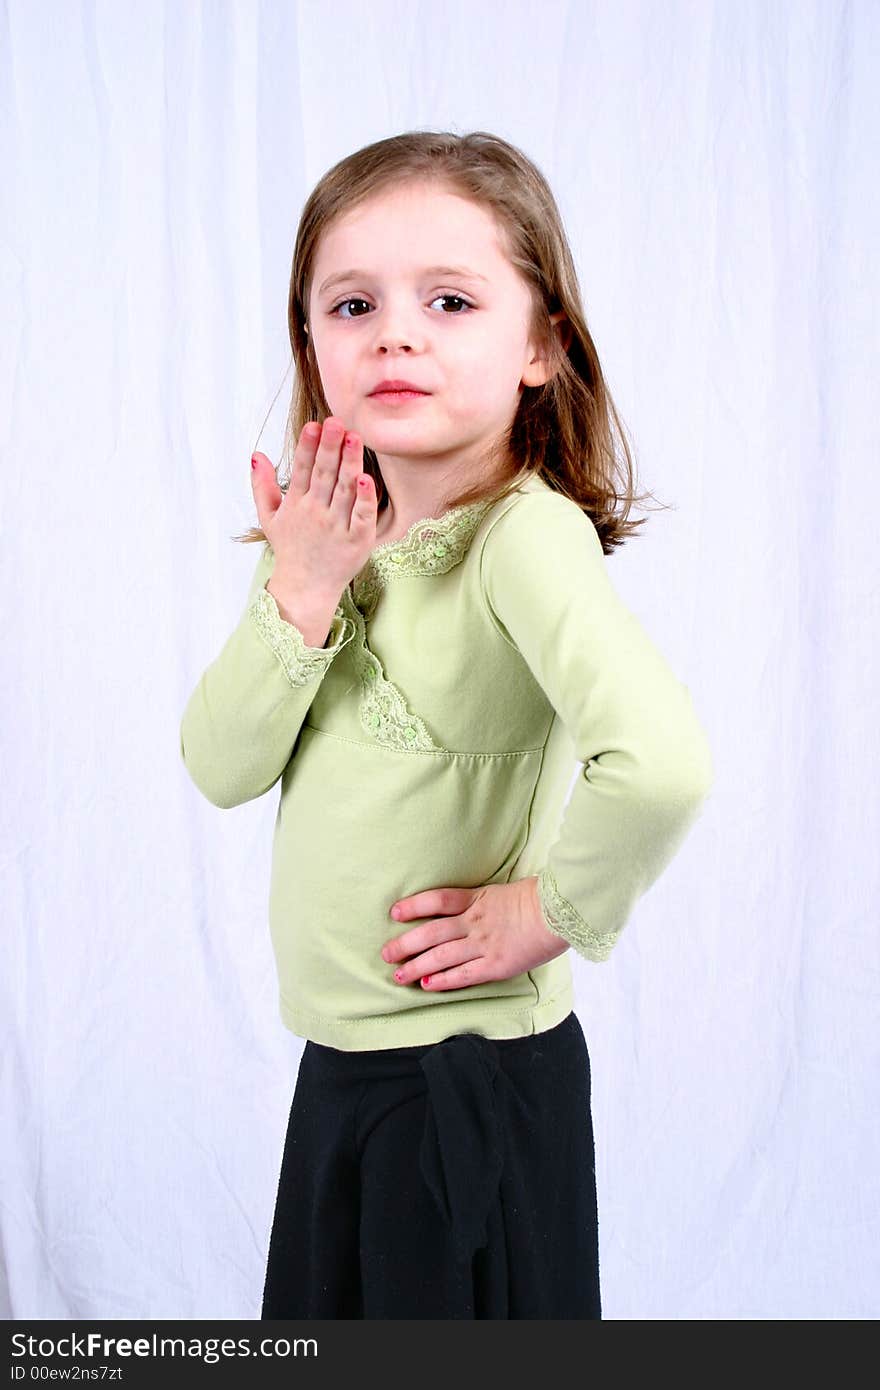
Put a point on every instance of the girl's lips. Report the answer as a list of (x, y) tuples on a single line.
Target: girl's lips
[(394, 397)]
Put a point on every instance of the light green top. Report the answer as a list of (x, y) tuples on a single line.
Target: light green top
[(470, 666)]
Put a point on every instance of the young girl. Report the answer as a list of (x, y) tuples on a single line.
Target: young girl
[(430, 645)]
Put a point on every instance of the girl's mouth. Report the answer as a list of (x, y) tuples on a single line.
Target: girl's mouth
[(397, 397)]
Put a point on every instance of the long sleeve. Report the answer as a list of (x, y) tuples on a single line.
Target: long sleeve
[(241, 722), (647, 762)]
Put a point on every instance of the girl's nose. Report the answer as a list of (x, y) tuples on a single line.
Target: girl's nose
[(395, 327), (395, 339)]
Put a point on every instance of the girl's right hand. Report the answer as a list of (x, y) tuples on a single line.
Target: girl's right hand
[(323, 527)]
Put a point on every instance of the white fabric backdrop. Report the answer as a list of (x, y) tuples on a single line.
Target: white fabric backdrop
[(716, 164)]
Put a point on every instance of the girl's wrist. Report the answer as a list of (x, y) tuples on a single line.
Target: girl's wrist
[(311, 613)]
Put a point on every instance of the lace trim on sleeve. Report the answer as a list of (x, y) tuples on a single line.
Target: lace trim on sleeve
[(302, 664), (566, 921)]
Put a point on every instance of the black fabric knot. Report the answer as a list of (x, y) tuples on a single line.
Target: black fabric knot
[(462, 1150)]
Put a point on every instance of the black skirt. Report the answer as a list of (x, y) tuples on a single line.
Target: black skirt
[(450, 1180)]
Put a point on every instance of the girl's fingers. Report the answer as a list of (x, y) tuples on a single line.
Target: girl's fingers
[(347, 491), (363, 511), (327, 459), (304, 458), (328, 464)]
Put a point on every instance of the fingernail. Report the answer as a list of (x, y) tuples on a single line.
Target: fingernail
[(395, 913), (253, 461), (426, 979)]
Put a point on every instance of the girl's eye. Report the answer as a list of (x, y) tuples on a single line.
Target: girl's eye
[(345, 302), (457, 297)]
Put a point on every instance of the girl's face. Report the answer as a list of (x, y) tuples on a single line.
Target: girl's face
[(396, 309)]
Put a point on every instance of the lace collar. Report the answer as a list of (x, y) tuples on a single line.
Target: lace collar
[(432, 545)]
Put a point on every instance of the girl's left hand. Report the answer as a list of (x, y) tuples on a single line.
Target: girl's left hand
[(475, 935)]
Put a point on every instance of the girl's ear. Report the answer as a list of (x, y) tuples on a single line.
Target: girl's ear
[(539, 370), (567, 332)]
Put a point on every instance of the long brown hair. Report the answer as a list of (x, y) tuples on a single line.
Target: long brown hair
[(566, 430)]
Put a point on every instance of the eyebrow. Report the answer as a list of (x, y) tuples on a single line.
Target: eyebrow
[(457, 270)]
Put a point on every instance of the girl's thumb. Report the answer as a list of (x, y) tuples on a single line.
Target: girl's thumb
[(265, 484)]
